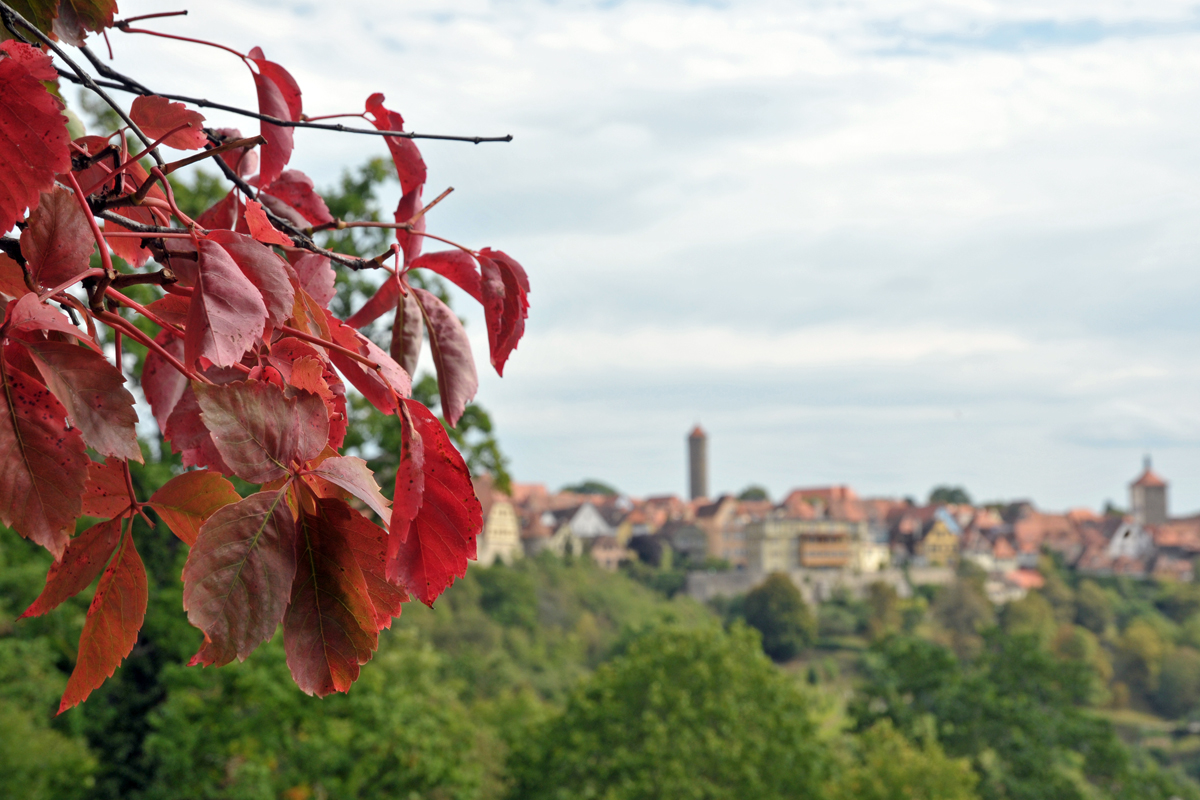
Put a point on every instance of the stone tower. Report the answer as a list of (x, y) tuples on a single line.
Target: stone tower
[(1148, 498), (698, 463)]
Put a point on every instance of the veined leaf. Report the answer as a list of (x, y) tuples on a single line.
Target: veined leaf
[(186, 501), (34, 143), (266, 270), (58, 242), (93, 392), (408, 332), (380, 388), (43, 467), (426, 553), (260, 226), (369, 543), (505, 303), (454, 265), (157, 116), (456, 375), (279, 97), (259, 432), (105, 494), (227, 312), (295, 189), (83, 560), (329, 629), (353, 475), (238, 576), (113, 621)]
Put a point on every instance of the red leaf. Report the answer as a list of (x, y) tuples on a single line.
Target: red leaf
[(43, 467), (295, 189), (34, 144), (410, 167), (162, 384), (292, 358), (380, 388), (369, 543), (58, 243), (227, 313), (158, 116), (265, 269), (105, 495), (12, 278), (410, 243), (505, 306), (410, 475), (454, 265), (329, 629), (82, 562), (239, 575), (457, 378), (93, 392), (428, 552), (189, 437), (223, 215), (353, 475), (261, 227), (187, 500), (408, 331), (381, 302), (172, 308), (258, 431), (27, 313), (317, 278), (112, 625), (279, 97), (77, 17), (242, 160)]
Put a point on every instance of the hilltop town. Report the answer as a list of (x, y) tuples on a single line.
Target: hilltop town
[(828, 536)]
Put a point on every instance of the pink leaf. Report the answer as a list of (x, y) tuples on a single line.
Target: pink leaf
[(58, 241), (457, 378), (279, 97), (380, 388), (410, 243), (454, 265), (261, 227), (380, 303), (264, 268), (410, 167), (27, 313), (353, 475), (227, 312), (295, 189), (317, 278), (505, 305)]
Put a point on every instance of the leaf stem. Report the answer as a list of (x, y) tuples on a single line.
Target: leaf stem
[(317, 340)]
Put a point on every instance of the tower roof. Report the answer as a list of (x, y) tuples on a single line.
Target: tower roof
[(697, 433), (1148, 477)]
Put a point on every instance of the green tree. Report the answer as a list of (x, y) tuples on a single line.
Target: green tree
[(1093, 608), (887, 766), (963, 611), (1179, 683), (590, 486), (1032, 614), (754, 492), (1139, 656), (681, 714), (778, 611), (884, 615), (956, 495)]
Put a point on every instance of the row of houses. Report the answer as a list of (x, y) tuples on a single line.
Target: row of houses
[(832, 528)]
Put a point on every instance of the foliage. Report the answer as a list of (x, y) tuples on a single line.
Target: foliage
[(682, 714), (949, 495), (591, 486), (887, 766), (244, 363), (754, 492), (777, 609)]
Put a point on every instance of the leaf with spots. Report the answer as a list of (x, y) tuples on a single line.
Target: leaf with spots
[(83, 561), (113, 621)]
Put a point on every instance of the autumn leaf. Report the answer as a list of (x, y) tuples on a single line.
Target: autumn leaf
[(505, 303), (295, 190), (380, 388), (329, 629), (27, 313), (368, 541), (456, 375), (111, 628), (383, 301), (105, 495), (186, 501), (33, 132), (238, 577), (316, 276), (410, 242), (408, 333), (43, 466), (58, 242), (279, 97), (158, 116), (227, 312), (93, 392), (410, 167), (454, 265), (258, 431), (429, 550), (82, 562), (260, 226), (266, 270), (353, 475)]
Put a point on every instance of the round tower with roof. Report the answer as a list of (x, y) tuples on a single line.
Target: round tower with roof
[(1148, 497), (698, 463)]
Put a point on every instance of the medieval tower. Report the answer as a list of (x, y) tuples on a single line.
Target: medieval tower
[(698, 463), (1148, 498)]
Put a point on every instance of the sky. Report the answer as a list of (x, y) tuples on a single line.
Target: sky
[(889, 244)]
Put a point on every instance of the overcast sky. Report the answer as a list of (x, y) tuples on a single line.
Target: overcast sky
[(890, 244)]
